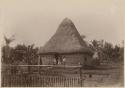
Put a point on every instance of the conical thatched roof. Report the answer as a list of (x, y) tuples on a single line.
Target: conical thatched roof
[(65, 40)]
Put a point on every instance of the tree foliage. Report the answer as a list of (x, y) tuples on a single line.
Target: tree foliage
[(20, 53), (107, 51)]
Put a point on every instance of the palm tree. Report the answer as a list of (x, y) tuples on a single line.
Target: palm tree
[(6, 50), (9, 40)]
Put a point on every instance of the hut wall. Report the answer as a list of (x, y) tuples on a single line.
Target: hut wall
[(76, 59), (47, 59), (71, 59)]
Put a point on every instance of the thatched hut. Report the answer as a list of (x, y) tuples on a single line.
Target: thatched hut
[(66, 47)]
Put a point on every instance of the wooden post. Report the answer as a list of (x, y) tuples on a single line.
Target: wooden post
[(81, 77), (64, 81), (39, 63)]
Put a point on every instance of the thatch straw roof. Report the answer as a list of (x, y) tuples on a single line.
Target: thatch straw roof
[(66, 40)]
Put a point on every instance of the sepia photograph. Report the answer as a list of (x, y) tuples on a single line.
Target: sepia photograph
[(62, 43)]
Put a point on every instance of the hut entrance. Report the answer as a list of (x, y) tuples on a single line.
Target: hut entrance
[(57, 58)]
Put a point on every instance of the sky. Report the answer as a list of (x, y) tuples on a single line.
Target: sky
[(35, 21)]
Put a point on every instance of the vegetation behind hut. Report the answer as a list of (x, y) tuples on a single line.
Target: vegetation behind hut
[(29, 53)]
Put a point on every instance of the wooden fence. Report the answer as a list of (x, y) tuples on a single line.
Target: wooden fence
[(40, 81), (45, 78)]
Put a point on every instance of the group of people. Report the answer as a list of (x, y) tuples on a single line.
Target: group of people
[(59, 60)]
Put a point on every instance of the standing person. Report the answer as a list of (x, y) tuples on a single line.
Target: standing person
[(56, 58), (64, 60), (54, 61), (59, 60)]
